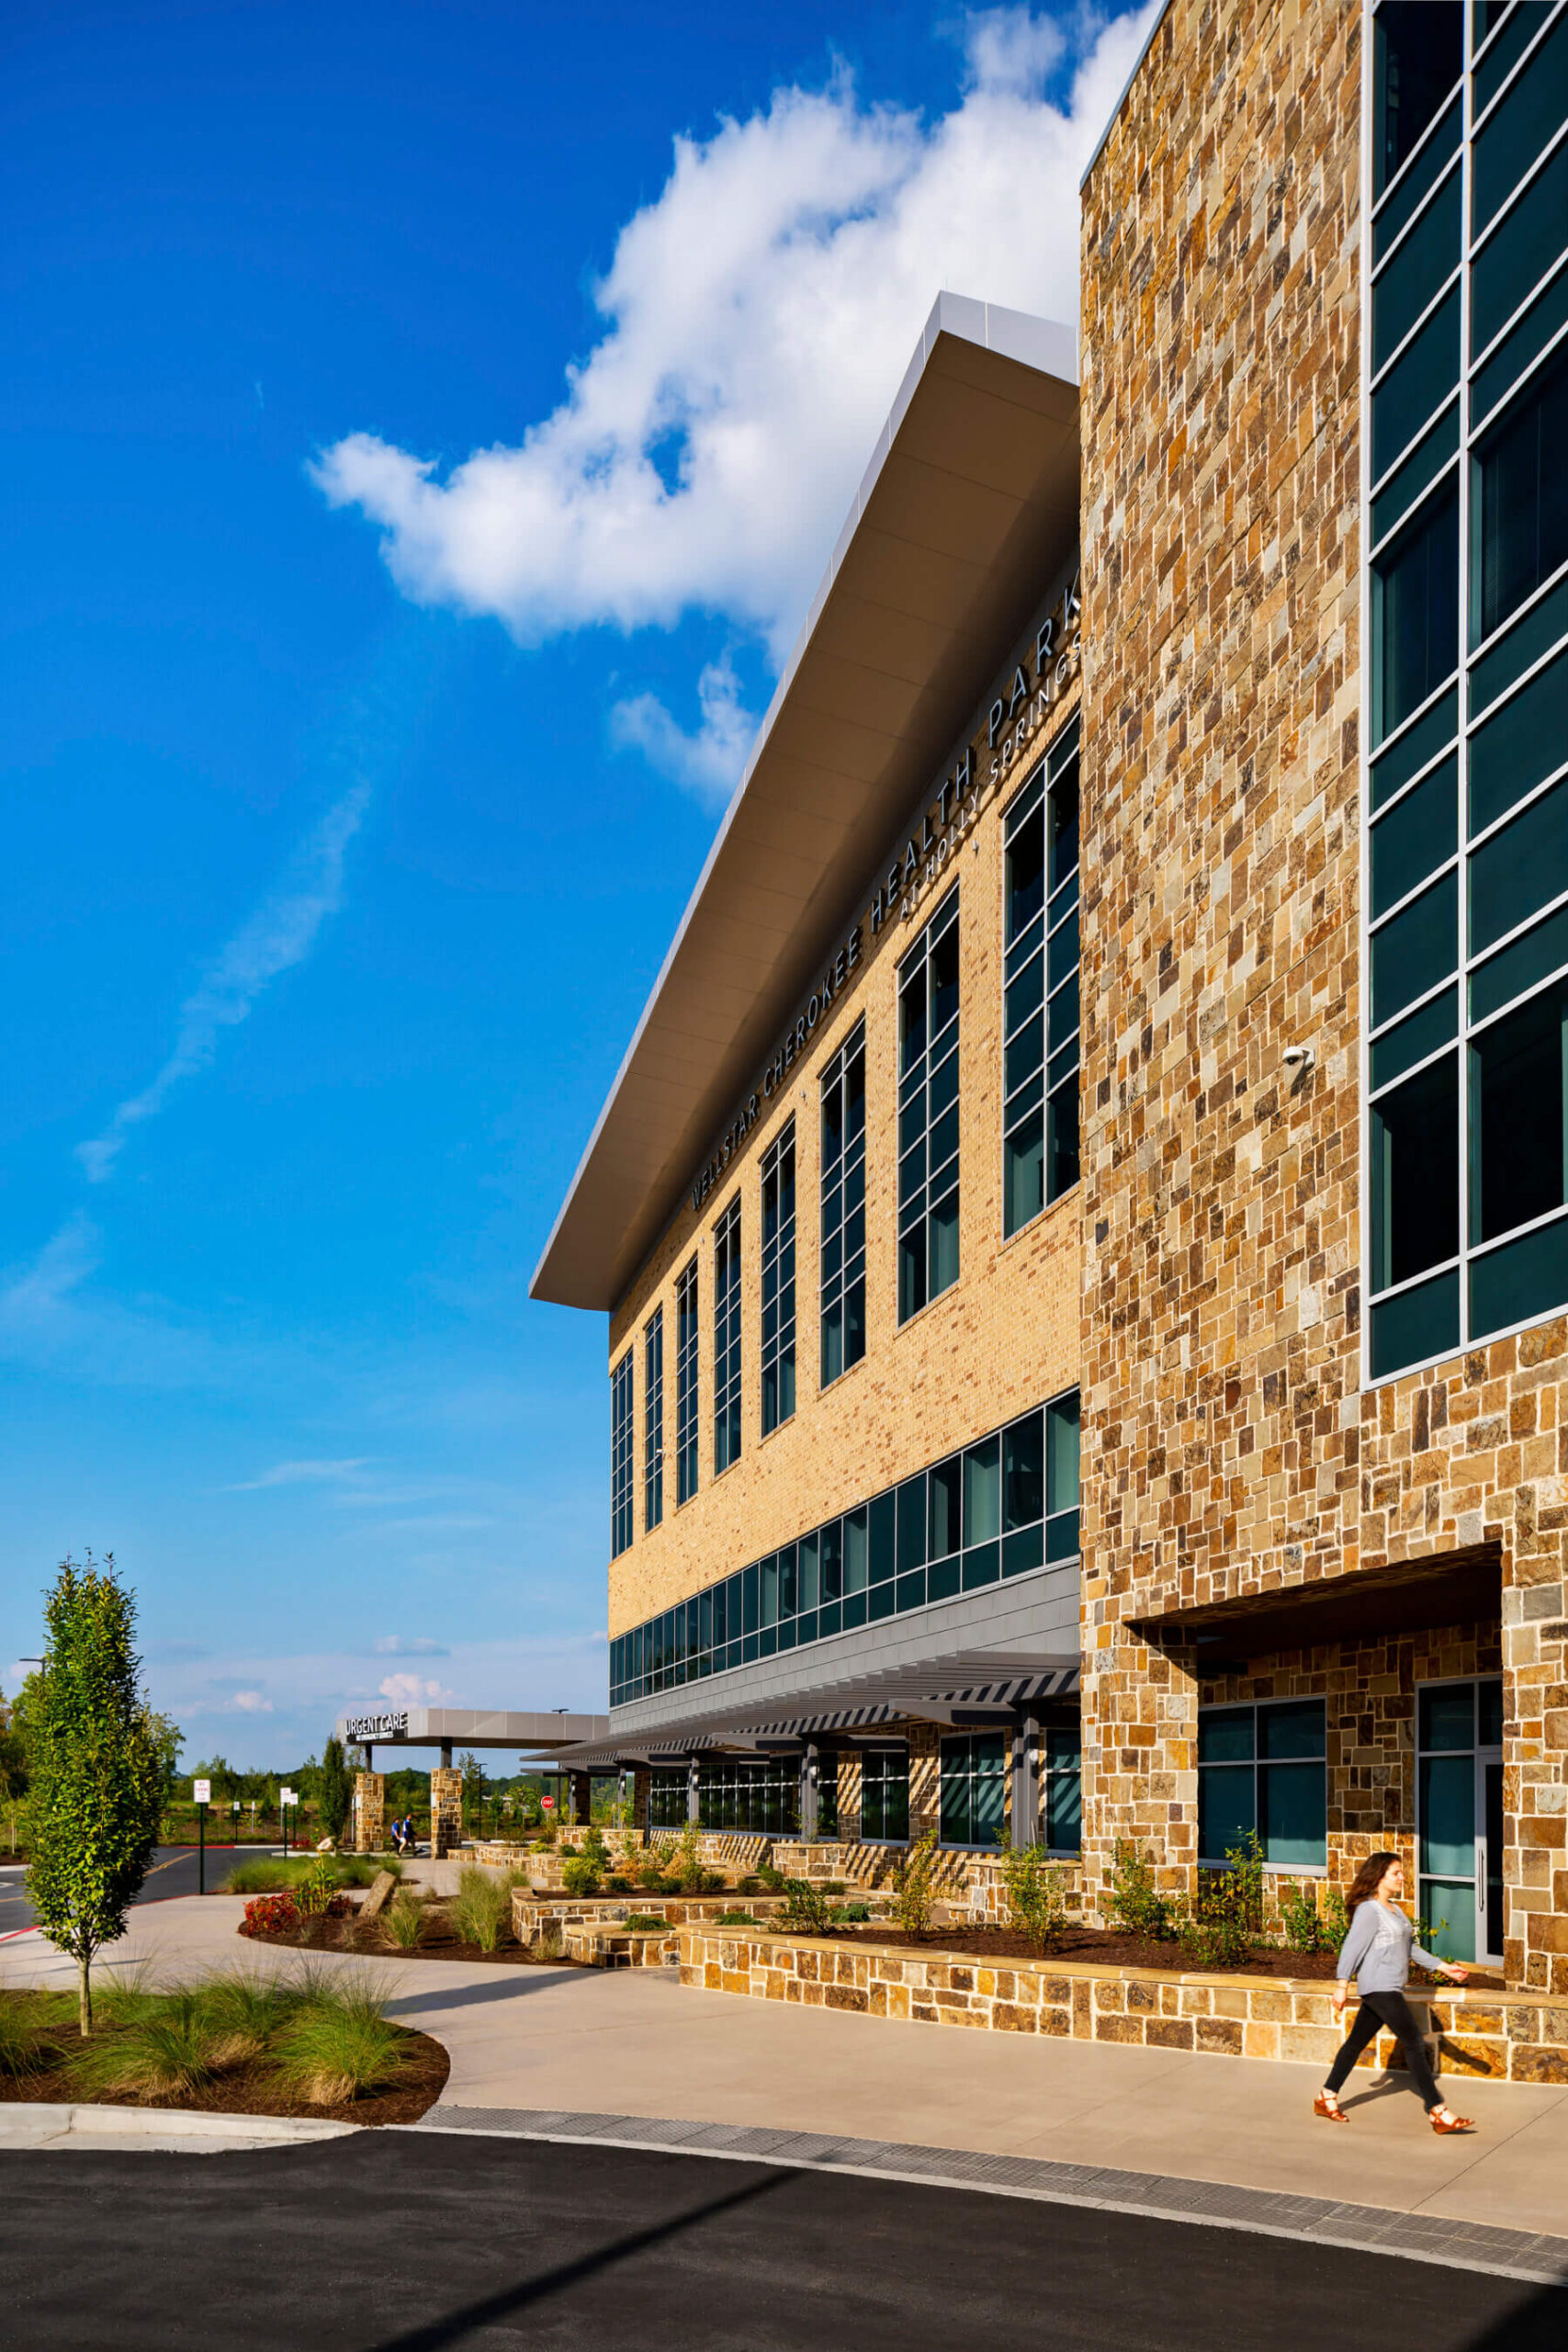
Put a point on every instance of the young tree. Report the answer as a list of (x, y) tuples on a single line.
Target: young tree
[(473, 1773), (336, 1789), (100, 1760)]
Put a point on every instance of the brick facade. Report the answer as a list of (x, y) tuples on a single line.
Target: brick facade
[(1005, 1338)]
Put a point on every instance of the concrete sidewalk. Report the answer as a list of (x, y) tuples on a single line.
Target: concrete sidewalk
[(634, 2043)]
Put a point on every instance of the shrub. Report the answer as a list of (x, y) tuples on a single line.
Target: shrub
[(806, 1908), (21, 2044), (1225, 1919), (245, 2013), (648, 1869), (579, 1875), (736, 1919), (1306, 1928), (315, 1890), (834, 1887), (641, 1923), (1137, 1905), (338, 2044), (271, 1915), (768, 1878), (748, 1883), (549, 1943), (262, 1878), (403, 1921), (479, 1907), (618, 1883), (1036, 1896), (914, 1889), (167, 2054), (850, 1915)]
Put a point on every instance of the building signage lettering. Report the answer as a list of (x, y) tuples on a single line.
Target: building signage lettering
[(1018, 709), (392, 1725)]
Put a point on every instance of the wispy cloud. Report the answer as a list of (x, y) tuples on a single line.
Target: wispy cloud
[(279, 934), (396, 1645), (412, 1690), (301, 1473), (708, 761)]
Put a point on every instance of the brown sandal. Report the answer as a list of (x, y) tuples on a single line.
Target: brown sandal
[(1328, 2107), (1451, 2123)]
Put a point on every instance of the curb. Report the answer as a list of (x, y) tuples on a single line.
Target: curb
[(39, 2124), (1528, 2255)]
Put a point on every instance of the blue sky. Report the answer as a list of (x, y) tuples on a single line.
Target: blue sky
[(421, 430)]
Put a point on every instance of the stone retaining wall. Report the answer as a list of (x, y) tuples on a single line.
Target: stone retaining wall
[(532, 1912), (602, 1947), (1516, 2036)]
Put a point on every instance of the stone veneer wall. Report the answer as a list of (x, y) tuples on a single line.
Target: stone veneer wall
[(369, 1812), (1226, 1449), (1523, 2039), (445, 1810)]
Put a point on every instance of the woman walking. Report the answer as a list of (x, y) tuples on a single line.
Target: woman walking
[(1376, 1952)]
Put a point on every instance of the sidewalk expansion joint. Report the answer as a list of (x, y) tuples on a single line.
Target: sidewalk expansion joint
[(1457, 2245)]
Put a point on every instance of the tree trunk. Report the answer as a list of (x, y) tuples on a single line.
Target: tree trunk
[(84, 1994)]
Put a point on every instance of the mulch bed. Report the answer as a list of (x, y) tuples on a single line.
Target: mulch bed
[(1104, 1948), (254, 2090), (439, 1941)]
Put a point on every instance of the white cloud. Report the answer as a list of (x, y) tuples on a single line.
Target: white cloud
[(758, 315), (301, 1473), (395, 1646), (412, 1690), (252, 1702), (707, 762), (278, 935)]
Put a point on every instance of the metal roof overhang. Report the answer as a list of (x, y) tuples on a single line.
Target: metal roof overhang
[(969, 505), (962, 1686)]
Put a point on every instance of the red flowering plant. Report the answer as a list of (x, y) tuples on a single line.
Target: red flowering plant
[(271, 1915)]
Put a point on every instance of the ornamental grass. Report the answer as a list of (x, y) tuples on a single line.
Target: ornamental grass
[(479, 1907), (403, 1921), (339, 2044), (170, 2052)]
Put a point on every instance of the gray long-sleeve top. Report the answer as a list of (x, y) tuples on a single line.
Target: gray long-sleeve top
[(1379, 1948)]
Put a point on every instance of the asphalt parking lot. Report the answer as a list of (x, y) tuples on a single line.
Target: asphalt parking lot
[(409, 2242)]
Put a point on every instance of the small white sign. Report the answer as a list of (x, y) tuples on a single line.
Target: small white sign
[(287, 1796), (203, 1792)]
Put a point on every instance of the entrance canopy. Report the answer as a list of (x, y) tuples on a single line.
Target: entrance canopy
[(1406, 1597), (536, 1736)]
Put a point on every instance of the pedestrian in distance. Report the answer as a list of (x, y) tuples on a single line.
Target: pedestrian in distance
[(1376, 1952)]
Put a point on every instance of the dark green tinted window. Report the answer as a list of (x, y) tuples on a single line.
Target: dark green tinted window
[(1428, 254), (1415, 386), (1521, 523), (1415, 613), (1417, 834), (1413, 1144), (1417, 46)]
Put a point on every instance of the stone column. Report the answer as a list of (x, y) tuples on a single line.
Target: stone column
[(925, 1780), (369, 1812), (582, 1799), (849, 1795), (642, 1793), (1140, 1761), (445, 1812)]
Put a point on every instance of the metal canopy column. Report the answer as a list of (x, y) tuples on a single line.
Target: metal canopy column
[(1026, 1780), (809, 1778), (694, 1789)]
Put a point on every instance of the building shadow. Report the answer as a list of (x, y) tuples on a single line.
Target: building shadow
[(434, 2335), (1538, 2323)]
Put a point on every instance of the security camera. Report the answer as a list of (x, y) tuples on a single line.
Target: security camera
[(1300, 1057)]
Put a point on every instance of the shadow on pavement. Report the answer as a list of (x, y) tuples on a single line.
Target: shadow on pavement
[(435, 2334), (1540, 2324), (520, 1980)]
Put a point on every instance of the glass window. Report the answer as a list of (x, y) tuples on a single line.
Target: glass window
[(1062, 1774), (1040, 1152), (1414, 1146), (1521, 499), (753, 1799), (1417, 48), (668, 1797), (1520, 125), (1524, 246), (1062, 1478), (928, 1112), (885, 1796), (973, 1789), (686, 1384), (1414, 387), (1416, 613), (778, 1282), (843, 1207), (1415, 949), (1417, 834), (621, 1416), (1427, 254), (1517, 1106), (726, 1340), (1519, 870), (1264, 1768), (653, 1421)]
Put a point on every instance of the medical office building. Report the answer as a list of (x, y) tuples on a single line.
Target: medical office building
[(1083, 1218)]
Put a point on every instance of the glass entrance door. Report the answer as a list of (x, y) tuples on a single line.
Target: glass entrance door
[(1458, 1798)]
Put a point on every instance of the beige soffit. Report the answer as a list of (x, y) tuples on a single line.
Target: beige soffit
[(968, 507)]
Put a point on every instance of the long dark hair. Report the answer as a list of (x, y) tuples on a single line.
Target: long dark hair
[(1368, 1879)]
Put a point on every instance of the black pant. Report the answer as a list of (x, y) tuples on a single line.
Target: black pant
[(1390, 2009)]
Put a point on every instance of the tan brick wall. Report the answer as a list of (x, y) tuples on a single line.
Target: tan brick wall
[(1226, 1449), (1004, 1338)]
